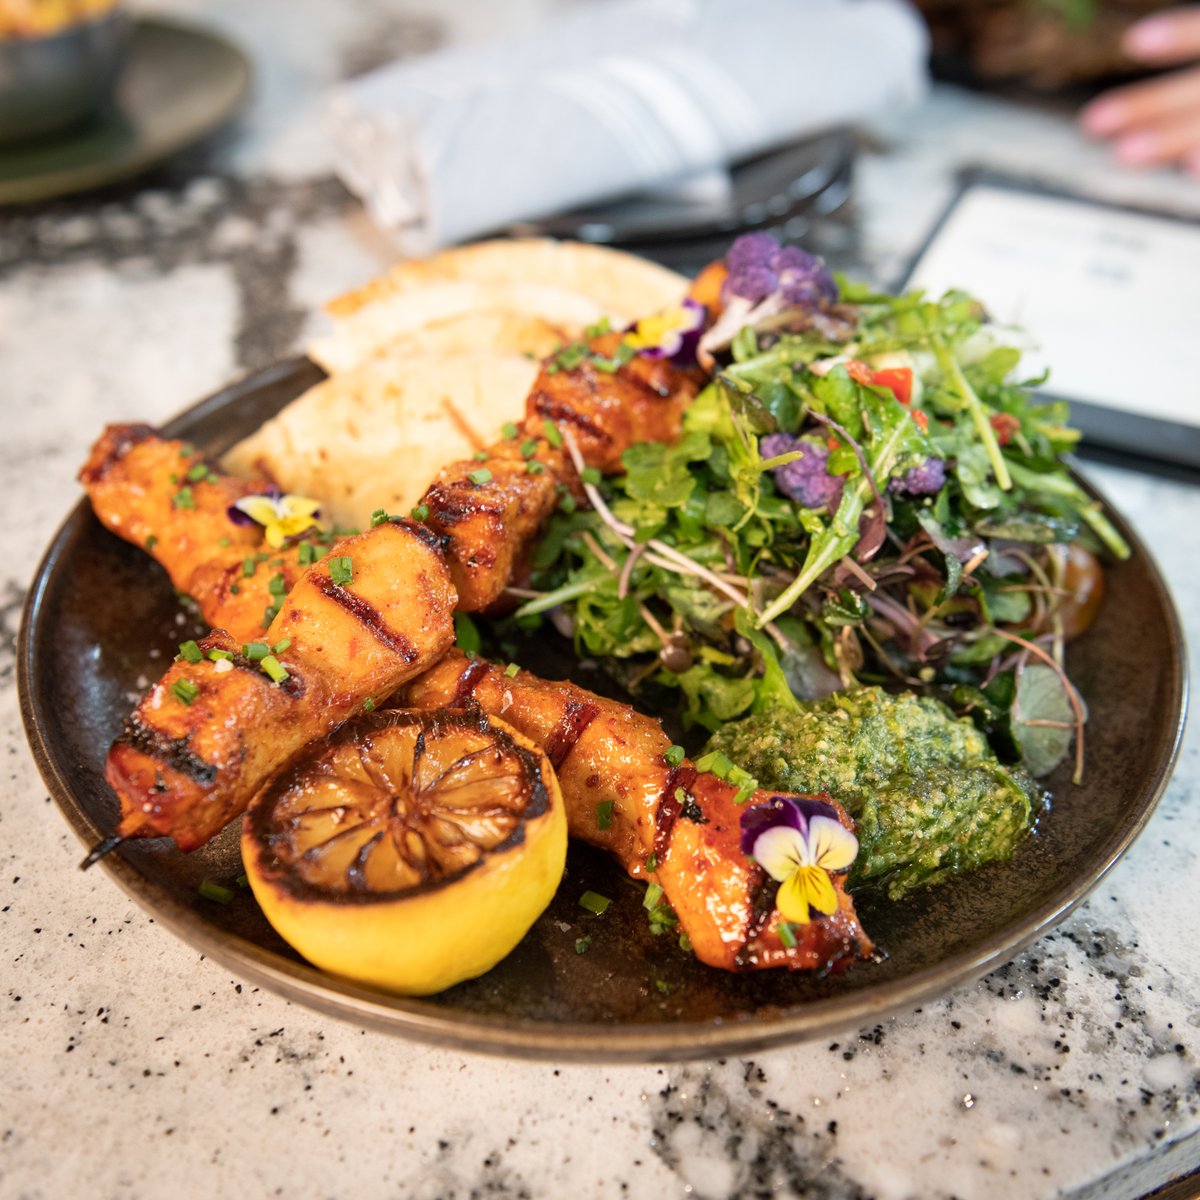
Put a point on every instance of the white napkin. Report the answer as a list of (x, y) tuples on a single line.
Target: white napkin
[(611, 99)]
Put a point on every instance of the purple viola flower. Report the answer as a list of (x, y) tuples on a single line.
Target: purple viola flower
[(673, 333), (799, 843), (925, 479), (759, 267), (806, 479)]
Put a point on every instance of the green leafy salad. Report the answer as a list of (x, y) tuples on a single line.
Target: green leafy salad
[(864, 496)]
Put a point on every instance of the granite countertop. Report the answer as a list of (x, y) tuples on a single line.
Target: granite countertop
[(136, 1068)]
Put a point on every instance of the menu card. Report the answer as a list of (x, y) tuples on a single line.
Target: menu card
[(1108, 299)]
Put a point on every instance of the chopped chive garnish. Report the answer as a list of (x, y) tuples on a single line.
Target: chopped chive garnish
[(368, 705), (196, 472), (220, 655), (307, 554), (282, 645), (567, 502), (599, 329), (674, 755), (480, 477), (184, 498), (378, 517), (249, 566), (508, 430), (654, 894), (551, 433), (528, 448), (681, 794), (583, 944), (274, 668), (604, 814), (173, 479), (534, 468), (152, 541), (341, 569), (420, 512), (652, 862), (215, 891), (663, 986), (591, 475), (787, 935), (269, 615), (594, 903), (234, 590), (256, 651), (512, 670), (223, 542), (277, 586), (187, 450), (480, 456), (190, 652), (185, 691), (243, 880), (685, 943)]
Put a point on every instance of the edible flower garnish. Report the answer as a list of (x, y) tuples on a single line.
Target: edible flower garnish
[(927, 479), (673, 333), (281, 516), (798, 843)]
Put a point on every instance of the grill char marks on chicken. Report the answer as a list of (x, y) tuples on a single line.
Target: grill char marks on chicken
[(605, 751), (187, 768), (138, 484), (490, 511)]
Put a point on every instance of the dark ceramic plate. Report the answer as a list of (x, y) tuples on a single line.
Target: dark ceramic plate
[(100, 615), (178, 84)]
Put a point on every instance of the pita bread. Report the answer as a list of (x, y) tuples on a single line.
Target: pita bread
[(375, 437), (428, 361), (620, 283), (366, 331), (569, 284)]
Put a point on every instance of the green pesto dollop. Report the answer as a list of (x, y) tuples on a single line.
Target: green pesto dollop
[(929, 797)]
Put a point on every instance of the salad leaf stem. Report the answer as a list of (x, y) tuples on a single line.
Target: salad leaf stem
[(1088, 509), (966, 393), (568, 591)]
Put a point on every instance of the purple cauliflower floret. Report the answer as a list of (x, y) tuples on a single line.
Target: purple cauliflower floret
[(806, 480), (923, 480), (803, 278), (759, 267)]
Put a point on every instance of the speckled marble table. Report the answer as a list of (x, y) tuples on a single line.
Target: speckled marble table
[(134, 1068)]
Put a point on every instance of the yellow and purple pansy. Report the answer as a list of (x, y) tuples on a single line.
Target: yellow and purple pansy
[(281, 516), (672, 333), (799, 843)]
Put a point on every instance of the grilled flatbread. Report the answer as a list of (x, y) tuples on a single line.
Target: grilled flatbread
[(565, 283), (375, 436)]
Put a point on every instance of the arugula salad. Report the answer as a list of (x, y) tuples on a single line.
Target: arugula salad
[(867, 494)]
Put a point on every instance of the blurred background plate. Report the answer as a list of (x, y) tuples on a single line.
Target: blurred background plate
[(179, 84)]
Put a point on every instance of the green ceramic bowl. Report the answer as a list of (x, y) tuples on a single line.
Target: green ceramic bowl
[(51, 83)]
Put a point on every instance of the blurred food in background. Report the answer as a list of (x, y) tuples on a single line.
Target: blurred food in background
[(40, 18), (1043, 44), (59, 63)]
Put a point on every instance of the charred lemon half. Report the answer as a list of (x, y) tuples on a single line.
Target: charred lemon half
[(409, 850)]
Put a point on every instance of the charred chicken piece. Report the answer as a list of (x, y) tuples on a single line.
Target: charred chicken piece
[(669, 823), (209, 733)]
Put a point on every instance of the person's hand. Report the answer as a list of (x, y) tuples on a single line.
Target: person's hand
[(1157, 121)]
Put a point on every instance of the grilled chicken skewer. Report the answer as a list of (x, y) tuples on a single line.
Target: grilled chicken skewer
[(668, 823), (187, 765), (209, 733)]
